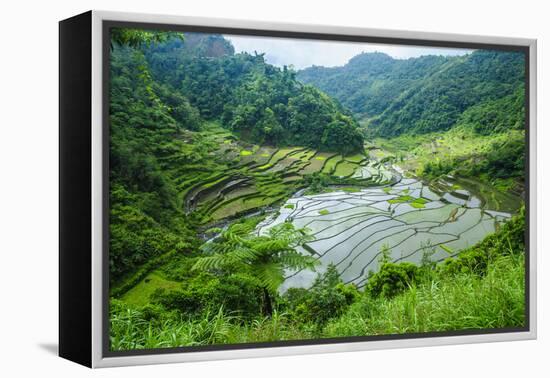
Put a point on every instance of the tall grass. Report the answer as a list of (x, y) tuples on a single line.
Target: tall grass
[(440, 303), (130, 330), (444, 303)]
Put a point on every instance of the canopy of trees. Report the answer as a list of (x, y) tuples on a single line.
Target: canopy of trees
[(431, 93), (162, 84), (262, 103), (175, 100)]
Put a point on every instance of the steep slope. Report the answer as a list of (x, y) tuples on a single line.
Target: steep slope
[(369, 82), (167, 102), (425, 94), (262, 103)]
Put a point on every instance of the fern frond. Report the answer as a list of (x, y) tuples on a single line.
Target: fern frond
[(243, 254), (210, 262), (240, 229), (270, 245), (213, 230), (296, 260), (270, 275)]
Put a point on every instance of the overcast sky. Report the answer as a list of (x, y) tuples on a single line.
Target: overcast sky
[(304, 53)]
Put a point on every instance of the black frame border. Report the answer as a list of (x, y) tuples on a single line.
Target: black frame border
[(107, 25), (75, 189)]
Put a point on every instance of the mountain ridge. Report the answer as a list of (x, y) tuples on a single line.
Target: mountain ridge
[(418, 95)]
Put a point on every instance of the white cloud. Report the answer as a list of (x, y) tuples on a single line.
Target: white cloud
[(302, 53)]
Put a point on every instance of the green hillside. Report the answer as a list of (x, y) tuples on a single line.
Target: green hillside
[(260, 102), (187, 121), (429, 93), (231, 177)]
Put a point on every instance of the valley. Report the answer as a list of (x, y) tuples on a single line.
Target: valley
[(367, 203), (254, 203)]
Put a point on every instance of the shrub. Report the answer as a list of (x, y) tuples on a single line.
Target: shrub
[(392, 279), (328, 298), (207, 292)]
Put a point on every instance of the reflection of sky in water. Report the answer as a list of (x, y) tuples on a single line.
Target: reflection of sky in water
[(359, 225)]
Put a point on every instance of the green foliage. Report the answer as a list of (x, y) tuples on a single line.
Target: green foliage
[(137, 37), (502, 158), (206, 293), (438, 167), (263, 257), (184, 114), (136, 238), (316, 182), (140, 293), (145, 211), (392, 279), (328, 298), (483, 90), (171, 164), (133, 275), (371, 81), (443, 303), (316, 121), (467, 292), (152, 327), (496, 116), (262, 103)]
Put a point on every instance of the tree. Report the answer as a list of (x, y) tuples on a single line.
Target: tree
[(342, 135), (270, 127), (265, 257), (326, 299), (484, 90), (259, 102), (136, 38)]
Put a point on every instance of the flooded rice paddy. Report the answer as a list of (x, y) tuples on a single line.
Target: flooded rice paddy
[(411, 220)]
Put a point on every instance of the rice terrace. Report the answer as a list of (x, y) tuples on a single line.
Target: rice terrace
[(258, 202)]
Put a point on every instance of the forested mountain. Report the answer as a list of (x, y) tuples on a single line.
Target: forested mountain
[(162, 95), (145, 213), (262, 103), (369, 82), (429, 93), (222, 166)]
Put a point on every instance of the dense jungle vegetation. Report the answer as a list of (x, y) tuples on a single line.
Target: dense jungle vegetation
[(259, 102), (429, 93), (158, 134), (481, 94), (483, 288), (201, 136)]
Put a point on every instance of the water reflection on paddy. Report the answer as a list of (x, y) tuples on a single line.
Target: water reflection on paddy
[(411, 219)]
